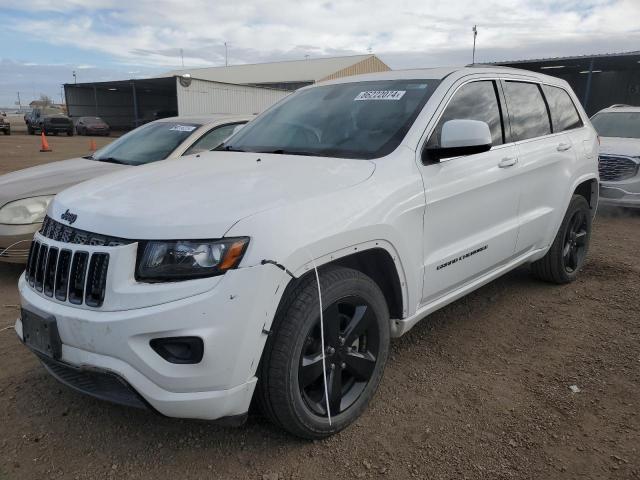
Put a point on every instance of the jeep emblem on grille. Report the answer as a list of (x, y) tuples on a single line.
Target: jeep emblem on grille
[(69, 217)]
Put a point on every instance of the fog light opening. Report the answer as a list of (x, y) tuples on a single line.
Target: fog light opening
[(182, 350)]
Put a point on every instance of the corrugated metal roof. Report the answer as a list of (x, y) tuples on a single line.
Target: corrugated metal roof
[(310, 70), (575, 57)]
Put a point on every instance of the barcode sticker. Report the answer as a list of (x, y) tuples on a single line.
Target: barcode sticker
[(183, 128), (380, 95)]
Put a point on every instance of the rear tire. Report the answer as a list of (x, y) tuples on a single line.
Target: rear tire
[(30, 130), (290, 390), (69, 133), (567, 254)]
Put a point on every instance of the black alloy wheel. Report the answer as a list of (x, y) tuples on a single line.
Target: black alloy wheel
[(292, 376), (575, 238), (352, 343), (568, 253)]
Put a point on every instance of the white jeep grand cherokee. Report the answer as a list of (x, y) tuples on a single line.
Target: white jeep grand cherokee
[(188, 286)]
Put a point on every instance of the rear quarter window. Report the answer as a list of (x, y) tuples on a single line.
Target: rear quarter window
[(527, 110), (564, 115)]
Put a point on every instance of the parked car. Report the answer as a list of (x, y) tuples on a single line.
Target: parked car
[(283, 264), (619, 130), (5, 126), (48, 120), (92, 126), (25, 194)]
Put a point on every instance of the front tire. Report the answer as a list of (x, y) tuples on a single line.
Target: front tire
[(356, 333), (567, 254)]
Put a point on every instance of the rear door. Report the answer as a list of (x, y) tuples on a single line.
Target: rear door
[(545, 161), (471, 215)]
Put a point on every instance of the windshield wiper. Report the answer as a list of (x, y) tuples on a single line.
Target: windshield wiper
[(112, 160), (281, 151), (228, 148), (89, 157)]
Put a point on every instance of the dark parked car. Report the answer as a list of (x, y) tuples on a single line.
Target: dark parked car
[(5, 126), (48, 120), (92, 126)]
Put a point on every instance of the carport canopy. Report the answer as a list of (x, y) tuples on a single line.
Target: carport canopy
[(599, 80), (123, 104)]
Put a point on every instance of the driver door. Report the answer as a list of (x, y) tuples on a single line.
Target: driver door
[(471, 215)]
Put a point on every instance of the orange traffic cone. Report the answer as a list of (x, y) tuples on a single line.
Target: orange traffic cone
[(92, 145), (44, 146)]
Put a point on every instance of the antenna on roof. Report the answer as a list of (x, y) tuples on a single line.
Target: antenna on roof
[(475, 34), (226, 55)]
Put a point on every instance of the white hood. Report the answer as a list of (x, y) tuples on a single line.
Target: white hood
[(620, 146), (51, 178), (200, 197)]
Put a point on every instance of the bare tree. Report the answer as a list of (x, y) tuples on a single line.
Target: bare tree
[(45, 99)]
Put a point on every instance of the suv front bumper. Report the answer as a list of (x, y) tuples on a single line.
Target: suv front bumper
[(230, 319), (625, 193)]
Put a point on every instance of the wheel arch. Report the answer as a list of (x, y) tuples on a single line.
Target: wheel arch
[(588, 188)]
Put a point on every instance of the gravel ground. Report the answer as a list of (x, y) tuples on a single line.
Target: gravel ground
[(481, 389)]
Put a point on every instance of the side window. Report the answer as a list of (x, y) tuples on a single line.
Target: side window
[(211, 139), (473, 101), (564, 115), (527, 110)]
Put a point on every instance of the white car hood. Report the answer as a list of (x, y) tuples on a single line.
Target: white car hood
[(200, 197), (50, 178), (620, 146)]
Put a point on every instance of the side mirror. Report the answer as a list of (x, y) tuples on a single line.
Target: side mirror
[(459, 138)]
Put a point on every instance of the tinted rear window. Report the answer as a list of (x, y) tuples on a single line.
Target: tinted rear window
[(527, 110), (564, 115)]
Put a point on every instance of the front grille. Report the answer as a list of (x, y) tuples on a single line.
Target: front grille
[(79, 277), (64, 233), (615, 168), (97, 383)]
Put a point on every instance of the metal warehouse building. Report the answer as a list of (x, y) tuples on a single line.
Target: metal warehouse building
[(290, 75), (126, 104), (599, 80)]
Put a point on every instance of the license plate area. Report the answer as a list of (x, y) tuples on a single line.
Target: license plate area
[(41, 334)]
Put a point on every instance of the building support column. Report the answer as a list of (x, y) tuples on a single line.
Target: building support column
[(135, 104), (587, 90)]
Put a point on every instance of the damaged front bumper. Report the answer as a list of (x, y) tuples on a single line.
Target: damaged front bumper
[(230, 318)]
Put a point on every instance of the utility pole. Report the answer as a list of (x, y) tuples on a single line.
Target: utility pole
[(226, 55), (475, 34), (75, 78), (182, 57), (19, 104)]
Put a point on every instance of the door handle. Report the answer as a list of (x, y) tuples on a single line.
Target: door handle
[(563, 147), (507, 162)]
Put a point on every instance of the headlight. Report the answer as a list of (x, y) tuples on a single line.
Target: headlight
[(25, 211), (172, 260)]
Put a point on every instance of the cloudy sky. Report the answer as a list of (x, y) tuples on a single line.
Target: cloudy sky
[(43, 41)]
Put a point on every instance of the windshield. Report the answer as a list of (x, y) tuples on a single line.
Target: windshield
[(92, 120), (146, 144), (351, 120), (617, 124), (51, 110)]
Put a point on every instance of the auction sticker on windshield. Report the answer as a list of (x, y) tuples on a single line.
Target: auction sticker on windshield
[(380, 95), (183, 128)]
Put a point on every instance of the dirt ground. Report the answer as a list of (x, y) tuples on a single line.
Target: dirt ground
[(481, 389)]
